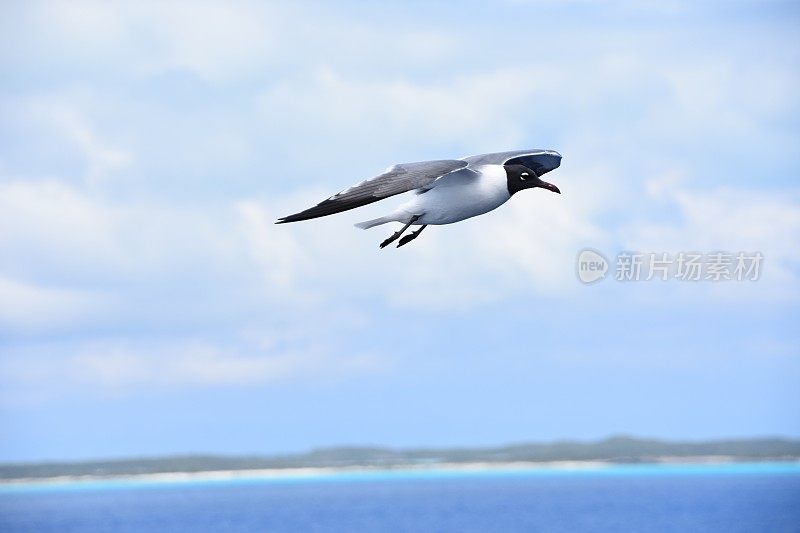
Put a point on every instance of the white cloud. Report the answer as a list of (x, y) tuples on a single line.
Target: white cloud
[(66, 232), (727, 219), (281, 259), (213, 40), (50, 223), (30, 308), (101, 159), (470, 109), (218, 42), (121, 367)]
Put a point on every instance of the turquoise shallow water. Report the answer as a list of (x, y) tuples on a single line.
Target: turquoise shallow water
[(706, 497)]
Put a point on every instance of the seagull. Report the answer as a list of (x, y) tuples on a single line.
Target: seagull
[(446, 190)]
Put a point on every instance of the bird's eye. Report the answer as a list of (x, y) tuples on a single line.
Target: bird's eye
[(523, 175)]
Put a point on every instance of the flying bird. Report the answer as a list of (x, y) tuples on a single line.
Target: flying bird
[(447, 190)]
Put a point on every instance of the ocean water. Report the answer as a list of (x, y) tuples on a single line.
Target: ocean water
[(652, 498)]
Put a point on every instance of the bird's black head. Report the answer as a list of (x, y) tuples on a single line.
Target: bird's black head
[(521, 177)]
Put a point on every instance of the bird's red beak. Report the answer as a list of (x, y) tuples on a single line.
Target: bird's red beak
[(550, 187)]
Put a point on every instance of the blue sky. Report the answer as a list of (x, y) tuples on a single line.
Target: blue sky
[(148, 305)]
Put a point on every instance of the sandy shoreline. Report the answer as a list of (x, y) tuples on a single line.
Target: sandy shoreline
[(305, 472), (330, 472)]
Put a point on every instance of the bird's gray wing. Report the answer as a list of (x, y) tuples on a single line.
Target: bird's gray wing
[(528, 158), (397, 179)]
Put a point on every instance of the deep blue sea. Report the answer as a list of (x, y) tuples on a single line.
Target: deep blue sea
[(726, 498)]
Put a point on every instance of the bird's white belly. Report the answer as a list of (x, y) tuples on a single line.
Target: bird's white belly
[(459, 196)]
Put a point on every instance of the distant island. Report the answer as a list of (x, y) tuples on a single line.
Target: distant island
[(611, 450)]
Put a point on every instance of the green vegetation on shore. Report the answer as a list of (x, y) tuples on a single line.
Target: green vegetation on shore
[(615, 449)]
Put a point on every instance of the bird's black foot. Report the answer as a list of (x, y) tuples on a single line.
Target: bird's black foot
[(407, 239), (411, 236), (397, 234), (391, 239)]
